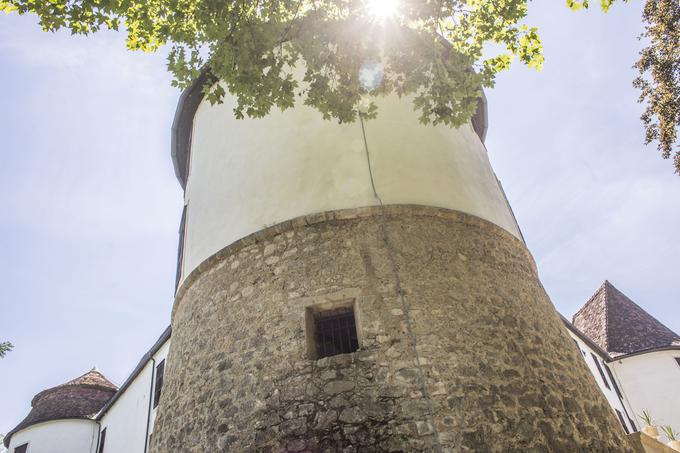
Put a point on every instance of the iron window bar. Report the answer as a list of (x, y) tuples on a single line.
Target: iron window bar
[(335, 332)]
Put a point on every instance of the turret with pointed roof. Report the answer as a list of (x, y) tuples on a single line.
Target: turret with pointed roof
[(81, 397), (620, 326)]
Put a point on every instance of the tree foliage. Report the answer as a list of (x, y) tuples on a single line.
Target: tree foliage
[(430, 50), (659, 73), (5, 347), (659, 80), (274, 53)]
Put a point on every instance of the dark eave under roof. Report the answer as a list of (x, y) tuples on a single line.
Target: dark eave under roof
[(182, 125)]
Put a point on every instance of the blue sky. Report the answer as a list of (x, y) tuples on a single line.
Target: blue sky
[(91, 207)]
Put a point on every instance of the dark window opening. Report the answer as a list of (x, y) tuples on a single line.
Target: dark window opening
[(160, 370), (677, 359), (180, 248), (599, 368), (613, 381), (620, 415), (578, 348), (102, 440), (333, 332), (21, 448)]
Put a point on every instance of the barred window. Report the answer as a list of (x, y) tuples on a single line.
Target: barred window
[(331, 332)]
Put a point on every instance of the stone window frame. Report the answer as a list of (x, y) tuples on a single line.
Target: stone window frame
[(325, 303)]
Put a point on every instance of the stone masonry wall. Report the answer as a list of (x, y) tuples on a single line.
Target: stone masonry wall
[(473, 357)]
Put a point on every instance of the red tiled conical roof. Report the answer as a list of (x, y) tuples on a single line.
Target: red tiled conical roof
[(81, 397), (620, 326)]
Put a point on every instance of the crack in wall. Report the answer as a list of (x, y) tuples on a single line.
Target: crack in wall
[(400, 294)]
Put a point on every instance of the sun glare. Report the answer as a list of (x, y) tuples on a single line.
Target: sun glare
[(382, 9)]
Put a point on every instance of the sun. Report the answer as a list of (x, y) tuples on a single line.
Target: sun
[(382, 9)]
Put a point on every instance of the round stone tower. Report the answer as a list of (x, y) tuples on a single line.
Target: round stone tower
[(360, 287)]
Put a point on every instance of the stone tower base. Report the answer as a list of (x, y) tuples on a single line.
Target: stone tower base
[(460, 348)]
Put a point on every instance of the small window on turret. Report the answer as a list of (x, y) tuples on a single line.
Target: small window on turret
[(21, 448), (331, 331)]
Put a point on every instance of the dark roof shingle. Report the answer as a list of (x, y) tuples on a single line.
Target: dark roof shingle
[(81, 397), (619, 326)]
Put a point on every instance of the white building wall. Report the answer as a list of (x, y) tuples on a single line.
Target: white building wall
[(126, 420), (608, 389), (651, 381), (58, 436), (248, 174)]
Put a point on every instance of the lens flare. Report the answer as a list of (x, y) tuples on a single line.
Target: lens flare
[(382, 9), (371, 75)]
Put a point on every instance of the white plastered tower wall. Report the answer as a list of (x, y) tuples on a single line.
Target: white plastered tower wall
[(241, 180), (58, 436)]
